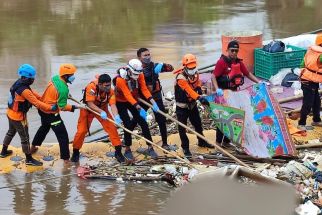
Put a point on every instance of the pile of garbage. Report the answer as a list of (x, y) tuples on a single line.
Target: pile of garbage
[(305, 174), (172, 172)]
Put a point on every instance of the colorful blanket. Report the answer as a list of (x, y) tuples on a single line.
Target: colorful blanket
[(265, 128), (229, 120)]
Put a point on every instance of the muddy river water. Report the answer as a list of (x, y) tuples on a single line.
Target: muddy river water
[(100, 36)]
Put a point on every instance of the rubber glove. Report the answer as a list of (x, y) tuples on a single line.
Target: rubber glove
[(10, 99), (155, 107), (264, 82), (158, 68), (54, 107), (143, 113), (103, 115), (219, 92), (203, 100), (74, 107), (117, 119)]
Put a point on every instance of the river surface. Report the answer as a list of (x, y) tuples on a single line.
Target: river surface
[(100, 36)]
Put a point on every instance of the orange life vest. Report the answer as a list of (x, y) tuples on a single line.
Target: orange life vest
[(101, 99), (194, 82), (313, 68), (233, 77), (19, 103)]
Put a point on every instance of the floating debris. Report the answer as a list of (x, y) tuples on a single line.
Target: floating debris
[(174, 174)]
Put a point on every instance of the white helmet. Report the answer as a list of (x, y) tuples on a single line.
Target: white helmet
[(123, 73), (135, 65)]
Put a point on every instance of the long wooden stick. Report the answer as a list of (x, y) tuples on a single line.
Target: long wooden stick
[(293, 98), (131, 132), (199, 135), (309, 145), (295, 110), (206, 71), (206, 67)]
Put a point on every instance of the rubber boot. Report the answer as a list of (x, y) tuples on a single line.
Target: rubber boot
[(187, 153), (30, 161), (128, 154), (5, 152), (75, 156), (150, 152), (118, 154), (166, 147)]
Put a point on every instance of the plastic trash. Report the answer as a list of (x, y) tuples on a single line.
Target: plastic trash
[(277, 90), (169, 95), (289, 79), (298, 92), (278, 78), (288, 49), (296, 85), (192, 173), (185, 170), (307, 209), (171, 169), (302, 41), (119, 179), (149, 118), (297, 71)]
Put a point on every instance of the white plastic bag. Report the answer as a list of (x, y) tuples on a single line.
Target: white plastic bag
[(297, 71), (278, 78), (296, 85)]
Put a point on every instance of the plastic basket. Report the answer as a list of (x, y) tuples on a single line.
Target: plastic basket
[(268, 64)]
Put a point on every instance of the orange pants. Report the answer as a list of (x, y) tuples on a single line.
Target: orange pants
[(84, 123)]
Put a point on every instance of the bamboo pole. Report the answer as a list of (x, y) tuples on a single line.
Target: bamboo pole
[(293, 98), (131, 132), (199, 135), (309, 145), (206, 67), (295, 110)]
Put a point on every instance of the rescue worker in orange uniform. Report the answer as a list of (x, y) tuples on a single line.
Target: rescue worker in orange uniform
[(187, 91), (129, 81), (97, 96), (151, 73), (21, 98), (56, 93), (229, 73), (311, 77)]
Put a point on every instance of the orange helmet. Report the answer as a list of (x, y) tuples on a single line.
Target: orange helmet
[(67, 69), (318, 40), (189, 61)]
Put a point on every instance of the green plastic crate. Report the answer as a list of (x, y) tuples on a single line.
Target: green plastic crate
[(268, 64)]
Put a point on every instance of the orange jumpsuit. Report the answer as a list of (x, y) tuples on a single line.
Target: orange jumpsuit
[(85, 118)]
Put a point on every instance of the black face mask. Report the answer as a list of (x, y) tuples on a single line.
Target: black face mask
[(146, 60), (105, 89), (28, 81)]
